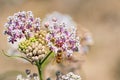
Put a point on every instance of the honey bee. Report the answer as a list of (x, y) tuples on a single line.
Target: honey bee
[(59, 57)]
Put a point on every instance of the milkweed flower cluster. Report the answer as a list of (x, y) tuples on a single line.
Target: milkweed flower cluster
[(58, 35), (34, 47), (29, 76), (62, 34), (68, 76), (21, 25)]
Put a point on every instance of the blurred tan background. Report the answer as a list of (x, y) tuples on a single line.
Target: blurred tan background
[(100, 17)]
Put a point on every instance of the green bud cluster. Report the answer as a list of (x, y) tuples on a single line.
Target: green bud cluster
[(35, 47), (23, 45)]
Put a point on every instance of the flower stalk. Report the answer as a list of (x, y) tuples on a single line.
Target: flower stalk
[(39, 70), (39, 65)]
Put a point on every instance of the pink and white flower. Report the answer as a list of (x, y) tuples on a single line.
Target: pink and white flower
[(62, 33), (21, 25)]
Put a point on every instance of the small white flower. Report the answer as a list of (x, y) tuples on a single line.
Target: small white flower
[(70, 76), (19, 77)]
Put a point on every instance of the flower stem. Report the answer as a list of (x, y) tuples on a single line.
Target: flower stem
[(45, 58), (39, 66), (39, 71)]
